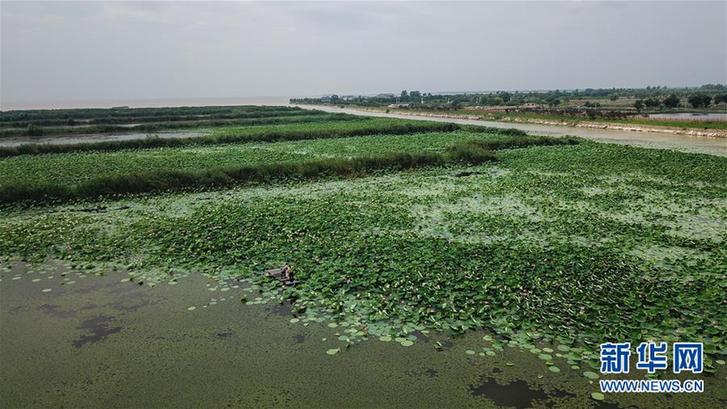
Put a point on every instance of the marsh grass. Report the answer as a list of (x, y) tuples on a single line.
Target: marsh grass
[(466, 151), (168, 180), (416, 248), (288, 132), (520, 142), (35, 130), (134, 118)]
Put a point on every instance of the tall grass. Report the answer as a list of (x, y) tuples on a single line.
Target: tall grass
[(490, 129), (360, 127), (156, 118), (497, 143), (169, 180), (23, 118), (34, 130), (160, 180)]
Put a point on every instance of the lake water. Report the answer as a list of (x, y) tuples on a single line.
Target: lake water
[(92, 138), (141, 103), (78, 340)]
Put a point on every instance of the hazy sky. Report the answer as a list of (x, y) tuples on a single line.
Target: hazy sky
[(76, 51)]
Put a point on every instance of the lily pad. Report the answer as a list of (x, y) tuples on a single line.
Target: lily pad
[(333, 351), (590, 375), (598, 396)]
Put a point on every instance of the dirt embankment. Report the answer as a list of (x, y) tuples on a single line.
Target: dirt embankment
[(714, 133)]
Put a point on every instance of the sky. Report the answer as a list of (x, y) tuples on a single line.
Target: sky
[(116, 51)]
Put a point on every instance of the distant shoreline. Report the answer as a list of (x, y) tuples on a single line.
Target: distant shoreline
[(144, 103), (710, 133)]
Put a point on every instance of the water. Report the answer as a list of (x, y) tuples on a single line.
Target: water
[(143, 103), (712, 116), (91, 138), (654, 140), (102, 341)]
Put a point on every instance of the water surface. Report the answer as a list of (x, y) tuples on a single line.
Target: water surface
[(101, 137), (77, 340)]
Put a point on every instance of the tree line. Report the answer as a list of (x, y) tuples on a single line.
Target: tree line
[(672, 101)]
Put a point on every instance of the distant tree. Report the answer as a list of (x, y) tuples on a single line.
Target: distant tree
[(415, 94), (652, 102), (720, 98), (699, 100), (554, 102), (506, 96), (672, 101), (613, 97), (404, 95), (334, 98), (639, 105), (717, 87)]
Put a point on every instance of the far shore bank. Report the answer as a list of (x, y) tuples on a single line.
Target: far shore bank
[(710, 133), (688, 141)]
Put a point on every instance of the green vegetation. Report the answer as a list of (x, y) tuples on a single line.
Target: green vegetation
[(70, 117), (154, 118), (352, 126), (166, 180), (593, 99), (699, 100), (79, 175), (566, 244), (536, 239), (35, 130)]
